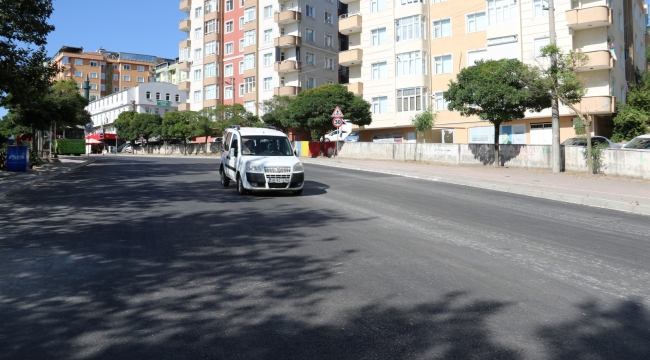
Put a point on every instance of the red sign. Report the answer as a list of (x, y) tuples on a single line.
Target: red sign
[(337, 122), (337, 113)]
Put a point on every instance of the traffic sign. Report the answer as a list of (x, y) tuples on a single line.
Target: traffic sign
[(101, 135), (337, 122), (337, 113)]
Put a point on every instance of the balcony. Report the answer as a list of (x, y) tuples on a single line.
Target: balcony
[(598, 60), (287, 41), (184, 107), (185, 25), (287, 17), (287, 66), (286, 90), (597, 105), (350, 57), (186, 5), (350, 23), (355, 88), (185, 44), (347, 1), (592, 17), (184, 66), (184, 86)]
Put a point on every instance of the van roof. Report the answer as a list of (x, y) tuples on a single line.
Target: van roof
[(259, 131)]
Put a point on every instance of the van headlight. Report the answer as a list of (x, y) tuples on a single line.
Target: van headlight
[(297, 167), (253, 167)]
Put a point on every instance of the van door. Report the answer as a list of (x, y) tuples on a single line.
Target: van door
[(232, 157)]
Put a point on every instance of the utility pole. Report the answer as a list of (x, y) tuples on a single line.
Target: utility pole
[(556, 157)]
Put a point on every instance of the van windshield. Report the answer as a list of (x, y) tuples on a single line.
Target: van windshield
[(264, 145)]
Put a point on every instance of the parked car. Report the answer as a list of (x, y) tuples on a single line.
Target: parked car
[(333, 135), (125, 148), (639, 143), (595, 140), (353, 137)]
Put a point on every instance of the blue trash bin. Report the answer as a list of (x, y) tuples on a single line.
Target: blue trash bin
[(17, 158)]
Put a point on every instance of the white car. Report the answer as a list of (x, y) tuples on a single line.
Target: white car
[(639, 143), (260, 159), (333, 135)]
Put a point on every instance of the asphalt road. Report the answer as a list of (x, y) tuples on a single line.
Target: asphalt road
[(149, 258)]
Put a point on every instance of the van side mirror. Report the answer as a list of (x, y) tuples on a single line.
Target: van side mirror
[(233, 152), (295, 152)]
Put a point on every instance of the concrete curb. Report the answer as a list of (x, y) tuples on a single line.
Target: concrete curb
[(36, 181), (518, 190)]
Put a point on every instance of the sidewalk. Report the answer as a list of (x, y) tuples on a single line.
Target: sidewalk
[(614, 193), (11, 182)]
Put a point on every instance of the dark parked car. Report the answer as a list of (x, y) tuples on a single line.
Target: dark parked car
[(595, 140)]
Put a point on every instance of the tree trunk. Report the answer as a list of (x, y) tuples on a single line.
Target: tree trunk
[(497, 161), (590, 159)]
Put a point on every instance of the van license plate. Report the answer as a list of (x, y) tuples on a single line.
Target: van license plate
[(274, 180)]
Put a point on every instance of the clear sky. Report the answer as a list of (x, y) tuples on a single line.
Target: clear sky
[(140, 26)]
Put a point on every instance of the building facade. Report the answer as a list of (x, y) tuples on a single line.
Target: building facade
[(403, 54), (168, 72), (108, 71), (246, 51)]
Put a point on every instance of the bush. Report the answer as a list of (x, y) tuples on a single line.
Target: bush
[(629, 123)]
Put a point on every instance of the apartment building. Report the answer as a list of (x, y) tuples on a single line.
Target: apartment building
[(168, 72), (250, 50), (403, 54), (108, 71)]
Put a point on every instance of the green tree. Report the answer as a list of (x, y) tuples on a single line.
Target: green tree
[(205, 125), (147, 126), (423, 122), (495, 91), (123, 126), (633, 118), (276, 112), (312, 109), (178, 125), (23, 35)]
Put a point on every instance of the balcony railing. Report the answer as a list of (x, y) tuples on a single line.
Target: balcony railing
[(587, 18)]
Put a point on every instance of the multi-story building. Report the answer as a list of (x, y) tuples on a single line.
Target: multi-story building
[(250, 50), (168, 72), (152, 98), (108, 71), (403, 54)]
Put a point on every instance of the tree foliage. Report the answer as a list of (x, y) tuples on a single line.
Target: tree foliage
[(633, 118), (146, 125), (497, 91), (276, 112), (123, 125), (312, 109), (23, 34)]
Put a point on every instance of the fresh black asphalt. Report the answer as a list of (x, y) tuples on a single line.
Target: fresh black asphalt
[(149, 258)]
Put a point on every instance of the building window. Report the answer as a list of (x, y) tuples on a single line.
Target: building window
[(197, 74), (309, 34), (102, 87), (268, 11), (410, 63), (409, 28), (378, 36), (442, 28), (197, 33), (229, 26), (310, 83), (267, 59), (267, 83), (329, 40), (230, 4), (93, 75), (127, 78), (140, 79), (80, 86), (241, 44), (476, 22), (103, 76), (379, 70), (474, 56), (210, 70), (147, 110), (229, 48), (177, 98), (249, 38), (198, 53), (115, 66), (409, 99), (197, 96), (249, 15), (116, 77), (227, 92), (500, 11), (538, 8), (94, 64), (309, 11), (116, 88), (210, 27), (228, 70), (377, 5), (211, 6), (249, 61), (443, 64), (126, 67), (157, 111), (439, 102), (241, 90), (328, 18), (538, 44), (93, 86), (210, 48), (329, 63), (249, 85), (198, 12), (157, 96), (65, 60), (78, 61), (380, 105), (310, 59), (210, 92), (268, 35)]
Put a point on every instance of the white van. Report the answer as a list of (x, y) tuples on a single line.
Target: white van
[(260, 159)]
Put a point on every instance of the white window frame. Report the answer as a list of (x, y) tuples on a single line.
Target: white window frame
[(472, 23), (376, 36), (268, 59), (439, 102), (268, 11), (197, 96), (268, 35), (140, 79), (227, 92), (419, 92), (228, 70), (229, 26), (538, 9), (310, 82), (438, 28), (211, 48), (411, 63), (309, 32), (442, 59), (377, 5), (210, 70), (268, 83), (376, 105), (379, 70), (232, 48), (310, 11), (405, 30), (127, 78)]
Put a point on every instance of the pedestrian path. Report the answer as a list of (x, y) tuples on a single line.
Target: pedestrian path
[(11, 182), (615, 193)]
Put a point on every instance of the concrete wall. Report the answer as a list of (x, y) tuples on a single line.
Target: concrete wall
[(628, 163), (179, 149)]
